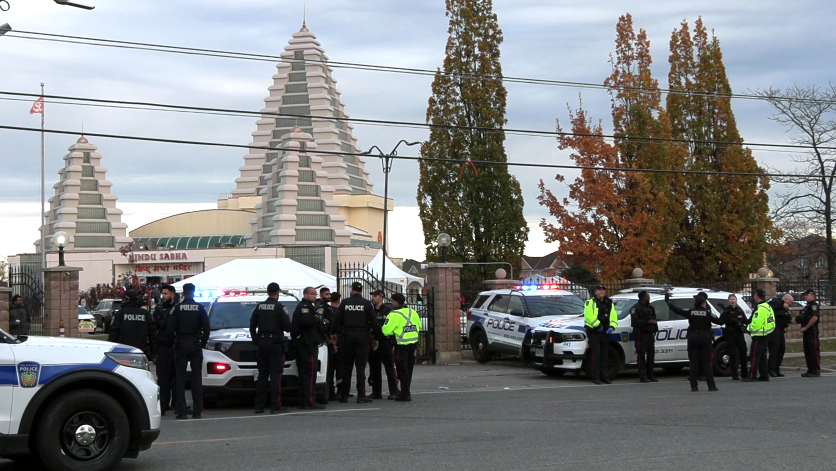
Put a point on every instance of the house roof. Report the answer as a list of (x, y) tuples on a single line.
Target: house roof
[(413, 267), (540, 263)]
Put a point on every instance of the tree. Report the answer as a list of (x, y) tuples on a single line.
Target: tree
[(809, 114), (623, 219), (722, 234), (483, 213), (579, 274)]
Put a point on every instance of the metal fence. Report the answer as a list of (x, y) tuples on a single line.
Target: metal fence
[(26, 282)]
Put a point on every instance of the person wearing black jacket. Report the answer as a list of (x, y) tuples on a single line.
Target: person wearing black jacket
[(383, 355), (19, 318), (700, 339), (735, 322), (809, 319), (643, 321), (133, 326), (324, 302), (165, 351), (188, 329), (777, 341), (268, 323), (308, 332), (354, 320)]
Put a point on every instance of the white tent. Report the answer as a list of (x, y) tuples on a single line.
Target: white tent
[(393, 273), (256, 274)]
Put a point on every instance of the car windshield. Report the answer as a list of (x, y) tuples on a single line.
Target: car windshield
[(622, 306), (539, 306), (236, 315), (81, 310)]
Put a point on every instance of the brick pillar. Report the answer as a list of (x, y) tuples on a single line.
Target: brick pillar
[(5, 299), (768, 285), (61, 300), (445, 279)]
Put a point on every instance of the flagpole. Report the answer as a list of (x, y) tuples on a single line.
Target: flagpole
[(43, 228)]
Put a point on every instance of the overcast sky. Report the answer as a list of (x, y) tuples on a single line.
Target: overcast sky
[(765, 43)]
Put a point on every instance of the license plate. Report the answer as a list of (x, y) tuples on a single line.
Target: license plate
[(538, 351), (255, 375)]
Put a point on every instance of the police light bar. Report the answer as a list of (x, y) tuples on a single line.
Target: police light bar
[(234, 293), (208, 293), (536, 287)]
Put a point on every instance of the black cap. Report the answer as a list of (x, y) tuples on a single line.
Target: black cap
[(600, 286), (273, 288), (761, 293), (377, 292), (810, 291), (188, 288), (131, 295), (356, 286), (399, 298), (701, 295)]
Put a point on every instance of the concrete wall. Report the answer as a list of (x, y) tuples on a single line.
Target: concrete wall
[(827, 324), (364, 212)]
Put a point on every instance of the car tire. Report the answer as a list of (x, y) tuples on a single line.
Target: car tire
[(479, 344), (525, 354), (553, 373), (721, 363), (323, 394), (98, 412), (672, 369)]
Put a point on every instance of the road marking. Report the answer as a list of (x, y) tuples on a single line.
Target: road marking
[(208, 440), (270, 416)]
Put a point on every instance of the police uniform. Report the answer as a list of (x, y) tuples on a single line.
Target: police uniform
[(188, 327), (383, 356), (354, 320), (645, 333), (134, 326), (308, 332), (700, 341), (328, 319), (777, 341), (735, 322), (810, 338), (599, 316), (405, 325), (164, 360), (268, 323), (761, 326)]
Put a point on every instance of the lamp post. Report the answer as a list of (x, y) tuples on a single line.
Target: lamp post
[(444, 240), (69, 3), (60, 240), (386, 161)]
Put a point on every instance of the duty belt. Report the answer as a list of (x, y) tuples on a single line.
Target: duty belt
[(267, 335)]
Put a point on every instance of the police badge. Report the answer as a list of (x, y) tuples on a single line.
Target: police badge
[(28, 373)]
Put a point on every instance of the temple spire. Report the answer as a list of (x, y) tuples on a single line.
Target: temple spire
[(304, 18)]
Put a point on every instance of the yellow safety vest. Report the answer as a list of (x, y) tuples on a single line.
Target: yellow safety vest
[(404, 324), (763, 320)]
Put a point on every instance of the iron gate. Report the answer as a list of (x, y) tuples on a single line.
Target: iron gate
[(423, 304), (26, 282)]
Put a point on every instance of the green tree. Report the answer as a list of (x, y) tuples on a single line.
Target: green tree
[(484, 213), (723, 232)]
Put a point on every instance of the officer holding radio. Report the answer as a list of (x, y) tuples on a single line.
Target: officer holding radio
[(269, 322)]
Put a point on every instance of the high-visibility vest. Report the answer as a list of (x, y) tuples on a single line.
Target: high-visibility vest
[(404, 324), (590, 316), (763, 320)]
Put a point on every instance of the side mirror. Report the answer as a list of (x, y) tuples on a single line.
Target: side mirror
[(516, 312)]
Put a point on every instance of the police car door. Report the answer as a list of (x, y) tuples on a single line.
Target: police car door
[(495, 320), (8, 381), (681, 327), (665, 347), (518, 322)]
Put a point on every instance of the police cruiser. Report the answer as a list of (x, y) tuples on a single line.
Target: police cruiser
[(75, 404), (229, 360), (560, 345), (500, 320)]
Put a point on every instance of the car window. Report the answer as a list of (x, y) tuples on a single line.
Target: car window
[(719, 304), (681, 303), (539, 306), (237, 315), (116, 305), (622, 307), (663, 313), (515, 306), (481, 300), (81, 310), (499, 304)]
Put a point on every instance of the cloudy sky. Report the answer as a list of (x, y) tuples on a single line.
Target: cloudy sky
[(765, 43)]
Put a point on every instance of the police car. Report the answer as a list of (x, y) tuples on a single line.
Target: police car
[(229, 360), (75, 404), (560, 345), (500, 320)]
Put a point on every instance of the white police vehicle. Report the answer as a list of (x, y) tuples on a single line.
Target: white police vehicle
[(75, 404), (560, 345), (500, 320), (229, 360)]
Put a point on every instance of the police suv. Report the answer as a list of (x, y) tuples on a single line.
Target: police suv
[(560, 345), (229, 360), (75, 404), (500, 320)]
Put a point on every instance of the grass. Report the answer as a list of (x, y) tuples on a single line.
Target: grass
[(796, 346)]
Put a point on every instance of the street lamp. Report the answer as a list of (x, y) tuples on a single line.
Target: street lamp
[(60, 240), (444, 240), (386, 161), (69, 3), (5, 28)]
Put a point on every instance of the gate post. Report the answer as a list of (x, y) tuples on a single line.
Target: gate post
[(5, 299), (61, 300), (445, 278)]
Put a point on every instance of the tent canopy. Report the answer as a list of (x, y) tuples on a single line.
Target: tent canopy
[(393, 273), (256, 274)]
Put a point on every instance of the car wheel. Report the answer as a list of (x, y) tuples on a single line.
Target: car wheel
[(722, 362), (552, 372), (479, 344), (83, 430), (525, 354)]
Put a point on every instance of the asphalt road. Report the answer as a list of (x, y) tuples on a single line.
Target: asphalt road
[(504, 416)]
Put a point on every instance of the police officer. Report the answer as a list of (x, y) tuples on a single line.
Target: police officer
[(308, 332), (735, 322), (268, 323), (777, 341), (133, 326), (335, 367), (600, 320), (809, 319), (354, 320), (405, 325), (324, 302), (188, 327), (643, 321), (700, 339), (761, 326), (383, 355), (165, 350)]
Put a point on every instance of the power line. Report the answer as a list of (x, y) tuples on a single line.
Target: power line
[(101, 42), (416, 158), (413, 124)]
